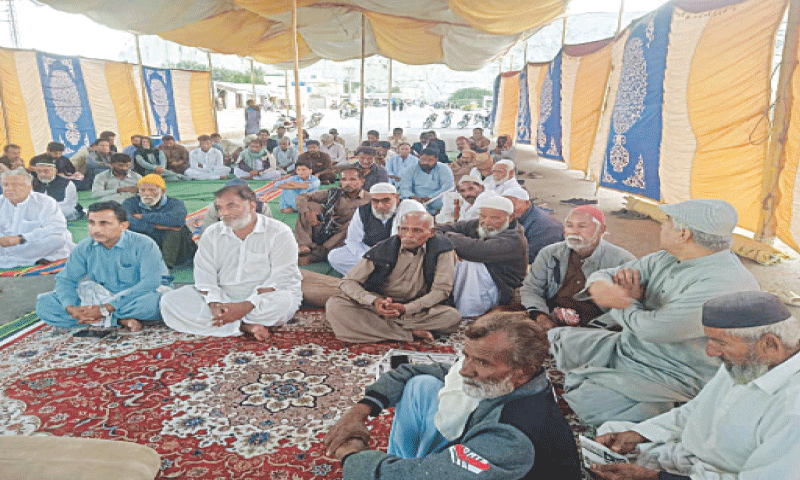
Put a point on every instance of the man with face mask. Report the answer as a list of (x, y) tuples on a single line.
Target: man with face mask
[(60, 189), (373, 223), (161, 218), (323, 216), (493, 255), (427, 181), (744, 423), (560, 270), (491, 415)]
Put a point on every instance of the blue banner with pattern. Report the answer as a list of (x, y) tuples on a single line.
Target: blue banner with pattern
[(548, 132), (523, 110), (66, 101), (158, 82), (634, 140), (494, 102)]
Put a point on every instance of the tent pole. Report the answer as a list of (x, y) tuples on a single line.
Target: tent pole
[(780, 126), (286, 88), (361, 105), (213, 92), (619, 18), (253, 80), (144, 90), (389, 106), (296, 54), (563, 31), (5, 115)]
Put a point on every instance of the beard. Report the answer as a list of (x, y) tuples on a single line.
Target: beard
[(578, 243), (384, 216), (478, 389), (44, 179), (488, 232), (151, 201), (237, 223), (747, 372)]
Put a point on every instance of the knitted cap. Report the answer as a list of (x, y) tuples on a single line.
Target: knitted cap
[(470, 178), (716, 217), (383, 187), (497, 202), (153, 179), (517, 192), (592, 211)]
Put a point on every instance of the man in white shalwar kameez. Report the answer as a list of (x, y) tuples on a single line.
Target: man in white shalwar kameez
[(658, 358), (743, 425), (32, 226), (503, 177), (458, 206), (245, 271)]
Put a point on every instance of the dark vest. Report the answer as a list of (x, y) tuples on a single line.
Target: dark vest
[(57, 189), (541, 420), (374, 230), (384, 258)]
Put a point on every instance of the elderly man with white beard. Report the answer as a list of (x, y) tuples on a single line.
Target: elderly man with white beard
[(60, 189), (245, 271), (503, 177), (161, 218), (745, 423), (560, 270), (491, 414), (493, 253)]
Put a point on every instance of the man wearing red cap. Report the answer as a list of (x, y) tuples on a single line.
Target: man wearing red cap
[(560, 270)]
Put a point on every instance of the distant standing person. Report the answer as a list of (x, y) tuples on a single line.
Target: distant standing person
[(252, 118)]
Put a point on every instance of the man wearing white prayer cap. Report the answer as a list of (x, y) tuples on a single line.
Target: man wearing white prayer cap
[(400, 289), (503, 177), (493, 255), (745, 423), (658, 358), (457, 206), (372, 222), (541, 229)]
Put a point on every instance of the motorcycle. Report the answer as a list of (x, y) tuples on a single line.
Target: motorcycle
[(448, 118), (429, 121), (285, 121), (315, 119), (482, 120), (464, 121), (346, 112)]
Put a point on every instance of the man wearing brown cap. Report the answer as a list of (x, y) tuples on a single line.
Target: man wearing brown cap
[(657, 360), (745, 424)]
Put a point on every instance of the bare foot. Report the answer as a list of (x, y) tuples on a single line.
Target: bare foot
[(303, 250), (424, 335), (130, 324), (545, 322), (287, 210), (259, 332)]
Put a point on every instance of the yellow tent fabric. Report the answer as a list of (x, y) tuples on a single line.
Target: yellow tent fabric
[(506, 121), (130, 121), (503, 18), (787, 212), (405, 39), (202, 113)]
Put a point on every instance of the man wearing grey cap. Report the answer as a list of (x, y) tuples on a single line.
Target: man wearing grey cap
[(657, 359), (745, 424)]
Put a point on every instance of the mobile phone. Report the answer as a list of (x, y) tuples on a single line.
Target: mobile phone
[(397, 360), (88, 333)]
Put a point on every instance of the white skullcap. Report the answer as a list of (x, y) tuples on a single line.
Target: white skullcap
[(517, 192), (507, 163), (470, 178), (497, 202), (407, 205), (383, 187)]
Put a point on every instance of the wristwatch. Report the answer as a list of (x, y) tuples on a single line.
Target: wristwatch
[(22, 240)]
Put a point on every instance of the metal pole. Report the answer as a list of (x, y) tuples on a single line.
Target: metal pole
[(563, 31), (286, 87), (619, 19), (299, 116), (253, 80), (389, 107), (144, 91), (213, 92), (361, 106)]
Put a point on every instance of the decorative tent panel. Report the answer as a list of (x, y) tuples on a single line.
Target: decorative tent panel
[(463, 34), (505, 120), (787, 212), (548, 123)]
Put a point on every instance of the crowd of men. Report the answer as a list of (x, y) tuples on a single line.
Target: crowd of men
[(677, 357)]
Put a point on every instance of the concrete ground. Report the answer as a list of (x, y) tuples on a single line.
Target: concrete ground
[(18, 295)]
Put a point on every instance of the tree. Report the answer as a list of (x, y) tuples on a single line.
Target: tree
[(222, 74), (466, 96)]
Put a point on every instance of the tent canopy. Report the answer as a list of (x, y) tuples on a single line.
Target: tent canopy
[(462, 34)]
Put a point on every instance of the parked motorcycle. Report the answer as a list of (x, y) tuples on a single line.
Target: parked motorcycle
[(448, 118), (464, 121), (482, 120), (346, 112), (286, 121), (315, 119), (429, 121)]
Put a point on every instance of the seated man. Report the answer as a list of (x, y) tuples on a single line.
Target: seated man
[(373, 173), (58, 188), (296, 185), (256, 163), (424, 141), (427, 181), (541, 229), (657, 359), (384, 152), (212, 216), (744, 424), (400, 163), (439, 146), (478, 139), (32, 228), (12, 158), (334, 150), (373, 138), (458, 206), (148, 160), (124, 271), (245, 274), (399, 290), (177, 155), (320, 162), (161, 218), (97, 160), (118, 183), (337, 138), (373, 223), (324, 216), (466, 161), (268, 144), (492, 414), (503, 177), (130, 150), (54, 155), (285, 155), (483, 167), (397, 139), (206, 163), (560, 270), (493, 255)]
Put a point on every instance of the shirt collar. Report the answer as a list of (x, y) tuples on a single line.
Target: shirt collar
[(159, 205), (773, 380), (121, 243), (260, 227)]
